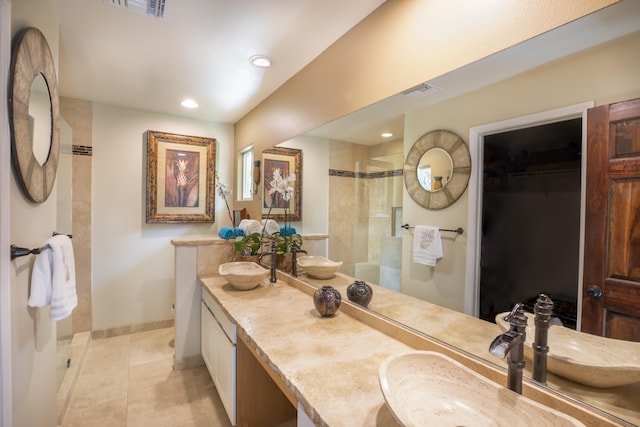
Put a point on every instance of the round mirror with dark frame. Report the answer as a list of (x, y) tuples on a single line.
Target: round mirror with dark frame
[(34, 114), (437, 169)]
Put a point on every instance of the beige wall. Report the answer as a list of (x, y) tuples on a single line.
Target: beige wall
[(406, 43), (399, 45), (315, 192), (605, 74), (33, 340), (133, 262)]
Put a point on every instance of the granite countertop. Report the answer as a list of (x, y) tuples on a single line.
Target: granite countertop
[(329, 364)]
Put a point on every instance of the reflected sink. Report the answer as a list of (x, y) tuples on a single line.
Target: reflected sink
[(243, 275), (319, 266), (584, 358), (427, 388)]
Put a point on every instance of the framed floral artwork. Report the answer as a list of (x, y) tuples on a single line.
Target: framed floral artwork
[(282, 183), (180, 178)]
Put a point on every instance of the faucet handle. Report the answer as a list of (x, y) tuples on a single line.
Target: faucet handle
[(516, 317), (543, 306)]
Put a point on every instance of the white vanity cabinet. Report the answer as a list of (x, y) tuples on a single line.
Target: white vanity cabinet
[(219, 337)]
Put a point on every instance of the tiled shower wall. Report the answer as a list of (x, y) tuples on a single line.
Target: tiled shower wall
[(362, 191), (78, 114)]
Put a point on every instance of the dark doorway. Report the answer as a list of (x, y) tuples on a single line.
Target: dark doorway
[(531, 218)]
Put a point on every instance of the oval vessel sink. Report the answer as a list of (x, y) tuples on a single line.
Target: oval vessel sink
[(243, 275), (425, 388), (584, 358), (319, 266)]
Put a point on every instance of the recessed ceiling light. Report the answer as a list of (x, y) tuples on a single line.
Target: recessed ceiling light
[(189, 103), (386, 134), (260, 61)]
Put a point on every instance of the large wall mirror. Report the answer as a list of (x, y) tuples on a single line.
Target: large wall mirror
[(469, 97), (437, 169), (34, 114)]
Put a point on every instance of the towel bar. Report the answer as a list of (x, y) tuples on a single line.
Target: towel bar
[(458, 230), (17, 251)]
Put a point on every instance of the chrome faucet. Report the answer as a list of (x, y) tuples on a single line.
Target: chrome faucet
[(272, 253), (294, 258), (542, 310), (511, 343)]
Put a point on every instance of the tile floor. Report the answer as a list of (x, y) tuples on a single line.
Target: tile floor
[(129, 381)]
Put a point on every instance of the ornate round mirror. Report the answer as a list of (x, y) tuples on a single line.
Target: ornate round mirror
[(34, 114), (437, 169)]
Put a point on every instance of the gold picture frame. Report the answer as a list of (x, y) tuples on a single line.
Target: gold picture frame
[(180, 178), (278, 165)]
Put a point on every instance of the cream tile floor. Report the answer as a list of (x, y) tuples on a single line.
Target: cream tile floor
[(129, 381)]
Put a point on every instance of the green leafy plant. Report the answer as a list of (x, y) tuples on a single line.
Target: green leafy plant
[(248, 245), (283, 242)]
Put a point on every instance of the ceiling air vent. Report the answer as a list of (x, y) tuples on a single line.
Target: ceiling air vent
[(421, 90), (153, 8)]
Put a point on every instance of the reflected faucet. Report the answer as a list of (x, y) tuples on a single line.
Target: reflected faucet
[(294, 258), (272, 253), (511, 343), (542, 310)]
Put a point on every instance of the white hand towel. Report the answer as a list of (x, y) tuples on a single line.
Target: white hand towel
[(427, 245), (250, 226), (53, 280), (270, 227)]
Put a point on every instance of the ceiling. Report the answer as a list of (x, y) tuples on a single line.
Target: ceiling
[(200, 49)]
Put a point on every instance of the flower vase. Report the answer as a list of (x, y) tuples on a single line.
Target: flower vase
[(438, 182), (247, 258), (284, 262)]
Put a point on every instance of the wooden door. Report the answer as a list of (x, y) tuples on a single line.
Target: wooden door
[(611, 286)]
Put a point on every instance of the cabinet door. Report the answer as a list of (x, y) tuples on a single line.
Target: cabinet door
[(224, 367), (206, 335)]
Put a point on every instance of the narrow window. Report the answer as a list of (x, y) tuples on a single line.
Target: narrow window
[(246, 158)]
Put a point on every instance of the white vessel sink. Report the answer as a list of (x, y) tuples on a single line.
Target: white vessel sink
[(584, 358), (427, 388), (319, 266), (243, 275)]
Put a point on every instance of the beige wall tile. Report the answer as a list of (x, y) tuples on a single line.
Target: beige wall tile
[(79, 115)]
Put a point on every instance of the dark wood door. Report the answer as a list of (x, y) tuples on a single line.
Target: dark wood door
[(611, 287)]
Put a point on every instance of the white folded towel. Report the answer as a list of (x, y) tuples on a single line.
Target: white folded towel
[(270, 227), (250, 226), (53, 280), (427, 245)]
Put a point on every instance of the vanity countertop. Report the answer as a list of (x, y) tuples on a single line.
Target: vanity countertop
[(329, 364), (473, 335)]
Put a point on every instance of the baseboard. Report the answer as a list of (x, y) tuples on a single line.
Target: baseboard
[(132, 329), (187, 362)]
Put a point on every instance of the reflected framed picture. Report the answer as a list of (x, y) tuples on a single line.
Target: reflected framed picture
[(282, 183), (180, 178)]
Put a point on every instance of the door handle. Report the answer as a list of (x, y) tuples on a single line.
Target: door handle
[(594, 291)]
